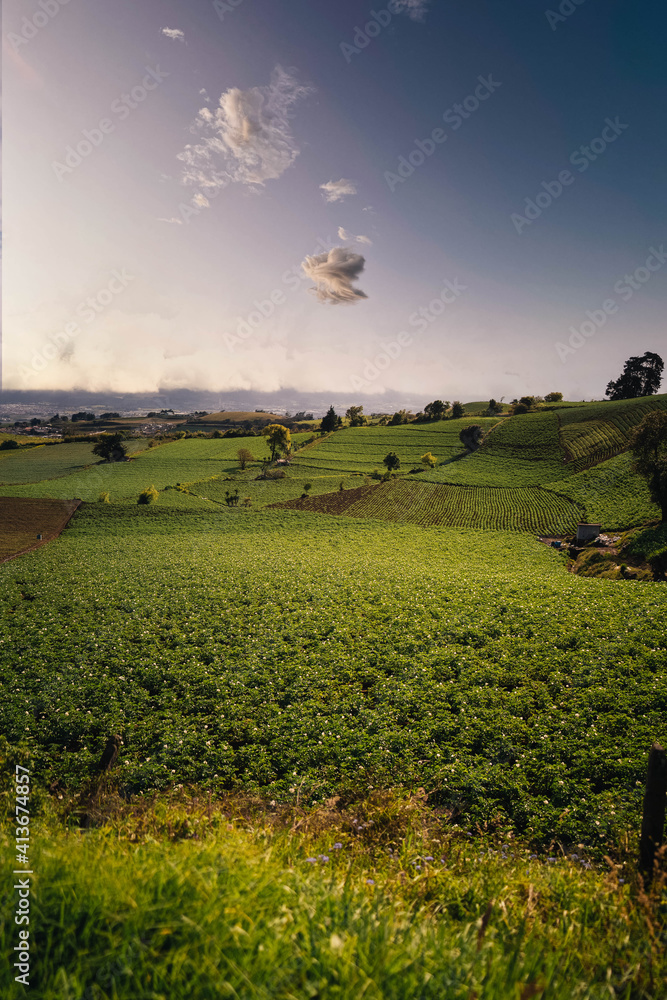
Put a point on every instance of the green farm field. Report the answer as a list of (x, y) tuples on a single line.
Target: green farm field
[(379, 729)]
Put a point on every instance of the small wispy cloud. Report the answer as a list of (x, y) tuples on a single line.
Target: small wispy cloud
[(337, 190), (175, 222), (415, 9), (344, 235), (247, 138), (333, 273), (174, 33)]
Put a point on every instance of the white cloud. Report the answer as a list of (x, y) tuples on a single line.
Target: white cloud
[(344, 235), (247, 138), (337, 190), (333, 273), (174, 33), (415, 9), (201, 200), (176, 222)]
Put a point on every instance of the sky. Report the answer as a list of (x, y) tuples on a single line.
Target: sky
[(459, 200)]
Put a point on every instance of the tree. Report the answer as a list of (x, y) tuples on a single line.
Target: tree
[(436, 410), (457, 410), (553, 397), (329, 421), (392, 461), (8, 444), (648, 444), (278, 438), (400, 417), (641, 376), (244, 456), (355, 414), (110, 448), (149, 495), (527, 401), (471, 437), (428, 459)]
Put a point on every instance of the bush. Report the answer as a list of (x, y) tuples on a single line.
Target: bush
[(103, 497), (149, 495), (9, 444)]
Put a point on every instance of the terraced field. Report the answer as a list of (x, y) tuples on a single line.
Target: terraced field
[(430, 504), (610, 493), (599, 431), (362, 449), (519, 451)]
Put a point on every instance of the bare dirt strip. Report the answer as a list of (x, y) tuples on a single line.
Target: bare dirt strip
[(22, 519)]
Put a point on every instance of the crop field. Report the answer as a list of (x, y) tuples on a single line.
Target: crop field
[(187, 460), (427, 504), (22, 520), (362, 449), (44, 462), (600, 431), (276, 650), (611, 494)]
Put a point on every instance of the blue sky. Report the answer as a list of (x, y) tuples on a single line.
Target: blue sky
[(184, 213)]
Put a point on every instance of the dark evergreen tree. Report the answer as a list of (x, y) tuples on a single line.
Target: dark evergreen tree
[(641, 377)]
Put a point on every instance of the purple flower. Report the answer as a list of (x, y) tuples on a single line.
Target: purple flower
[(337, 847), (311, 861), (428, 858), (323, 857), (370, 881)]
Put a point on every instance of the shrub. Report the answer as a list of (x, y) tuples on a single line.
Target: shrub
[(103, 497), (149, 495), (9, 444)]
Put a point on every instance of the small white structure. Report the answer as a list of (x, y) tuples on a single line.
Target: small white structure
[(587, 532)]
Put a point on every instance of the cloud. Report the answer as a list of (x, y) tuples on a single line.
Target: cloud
[(415, 9), (174, 33), (344, 235), (337, 190), (333, 273), (246, 139), (176, 222)]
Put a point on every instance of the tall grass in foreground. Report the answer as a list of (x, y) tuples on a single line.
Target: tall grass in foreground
[(310, 911)]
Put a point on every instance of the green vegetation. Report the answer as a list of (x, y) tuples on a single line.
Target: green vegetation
[(368, 901), (343, 737), (352, 658), (532, 509)]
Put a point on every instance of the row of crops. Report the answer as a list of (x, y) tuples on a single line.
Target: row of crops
[(361, 449), (430, 504), (597, 432)]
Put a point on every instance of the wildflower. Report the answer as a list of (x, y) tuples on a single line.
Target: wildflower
[(337, 847), (311, 861), (370, 881)]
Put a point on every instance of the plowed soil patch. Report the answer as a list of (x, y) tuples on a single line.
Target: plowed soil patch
[(23, 518)]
